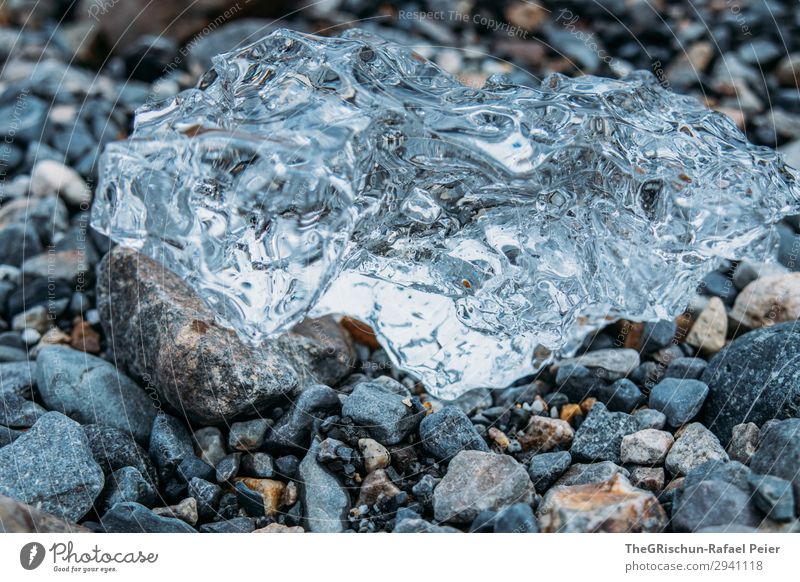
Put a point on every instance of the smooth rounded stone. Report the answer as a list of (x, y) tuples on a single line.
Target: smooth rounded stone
[(419, 525), (744, 442), (578, 382), (210, 445), (778, 453), (162, 331), (16, 412), (36, 293), (646, 447), (686, 368), (717, 284), (388, 417), (228, 467), (754, 379), (258, 465), (131, 517), (680, 400), (600, 435), (516, 518), (68, 265), (248, 435), (649, 418), (293, 429), (52, 177), (92, 391), (695, 445), (712, 503), (545, 468), (17, 243), (615, 363), (17, 517), (235, 525), (207, 496), (612, 506), (51, 467), (478, 481), (127, 484), (276, 527), (325, 502), (46, 215), (747, 271), (647, 478), (374, 454), (37, 317), (185, 510), (8, 435), (583, 474), (545, 434), (191, 467), (170, 443), (769, 300), (449, 431), (657, 335), (621, 396), (710, 329), (23, 118), (773, 496), (114, 449), (375, 486)]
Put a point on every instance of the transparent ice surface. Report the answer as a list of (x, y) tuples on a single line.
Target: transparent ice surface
[(467, 226)]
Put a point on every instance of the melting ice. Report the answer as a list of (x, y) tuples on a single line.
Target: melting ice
[(307, 175)]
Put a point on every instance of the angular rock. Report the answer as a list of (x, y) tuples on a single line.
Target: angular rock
[(127, 484), (545, 434), (376, 485), (647, 478), (186, 511), (164, 333), (210, 445), (646, 447), (249, 435), (228, 467), (695, 445), (325, 502), (657, 335), (679, 400), (18, 378), (374, 454), (516, 518), (51, 468), (545, 468), (744, 442), (258, 465), (235, 525), (577, 382), (584, 474), (477, 481), (16, 412), (135, 518), (270, 492), (207, 497), (599, 437), (613, 506), (419, 525), (293, 429), (93, 391), (388, 417), (686, 368), (114, 449), (447, 432), (754, 379), (773, 496), (170, 443), (712, 503)]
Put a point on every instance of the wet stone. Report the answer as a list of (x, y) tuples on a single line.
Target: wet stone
[(387, 416)]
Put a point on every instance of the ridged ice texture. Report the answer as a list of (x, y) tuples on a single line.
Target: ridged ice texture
[(467, 226)]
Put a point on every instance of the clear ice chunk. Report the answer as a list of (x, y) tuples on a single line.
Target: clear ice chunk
[(467, 226)]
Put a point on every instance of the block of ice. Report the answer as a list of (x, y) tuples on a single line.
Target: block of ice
[(467, 226)]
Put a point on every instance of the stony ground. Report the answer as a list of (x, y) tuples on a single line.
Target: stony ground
[(125, 407)]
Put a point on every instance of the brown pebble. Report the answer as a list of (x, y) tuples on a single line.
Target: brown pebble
[(360, 332), (84, 338), (569, 412), (587, 405)]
